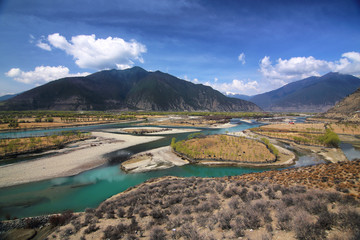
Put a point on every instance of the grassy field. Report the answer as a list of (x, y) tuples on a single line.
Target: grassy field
[(224, 147), (309, 134), (11, 147), (10, 120), (345, 128)]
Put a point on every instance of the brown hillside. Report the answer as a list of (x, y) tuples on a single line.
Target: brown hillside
[(347, 109)]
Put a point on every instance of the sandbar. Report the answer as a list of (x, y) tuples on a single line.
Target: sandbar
[(160, 131), (87, 155), (155, 159)]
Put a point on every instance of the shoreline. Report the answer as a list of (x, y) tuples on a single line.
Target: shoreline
[(69, 162)]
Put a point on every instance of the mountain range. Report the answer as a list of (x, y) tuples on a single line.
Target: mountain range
[(130, 89), (313, 94)]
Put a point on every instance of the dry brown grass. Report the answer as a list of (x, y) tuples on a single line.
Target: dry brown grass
[(226, 148), (297, 127), (9, 147), (346, 128), (29, 123), (303, 133)]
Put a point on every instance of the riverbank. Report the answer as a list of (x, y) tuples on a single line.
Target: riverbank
[(156, 159), (86, 155)]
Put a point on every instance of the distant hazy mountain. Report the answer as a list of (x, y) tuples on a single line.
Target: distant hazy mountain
[(347, 109), (239, 96), (6, 97), (130, 89), (313, 94)]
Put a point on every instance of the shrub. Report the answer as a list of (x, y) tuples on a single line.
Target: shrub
[(284, 220), (326, 220), (113, 233), (62, 219), (251, 218), (288, 200), (270, 193), (68, 232), (225, 217), (92, 228), (158, 214), (203, 207), (238, 227), (33, 222), (330, 139), (121, 212), (189, 232), (77, 225), (243, 194), (253, 195), (186, 210), (350, 219), (234, 202), (157, 234), (316, 206)]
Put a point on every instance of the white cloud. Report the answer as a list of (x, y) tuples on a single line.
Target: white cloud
[(43, 45), (90, 52), (32, 38), (237, 86), (41, 74), (241, 58), (296, 68)]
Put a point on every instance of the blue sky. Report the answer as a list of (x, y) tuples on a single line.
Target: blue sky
[(245, 47)]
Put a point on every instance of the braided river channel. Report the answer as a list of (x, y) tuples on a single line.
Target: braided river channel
[(88, 189)]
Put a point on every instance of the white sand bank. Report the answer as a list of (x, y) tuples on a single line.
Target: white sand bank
[(225, 125), (155, 159), (87, 155)]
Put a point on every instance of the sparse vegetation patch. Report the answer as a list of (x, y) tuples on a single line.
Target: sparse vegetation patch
[(225, 148)]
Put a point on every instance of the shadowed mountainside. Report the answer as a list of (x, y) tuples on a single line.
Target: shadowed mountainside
[(130, 89), (313, 94)]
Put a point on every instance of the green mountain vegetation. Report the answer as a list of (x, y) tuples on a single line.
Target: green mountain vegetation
[(130, 89)]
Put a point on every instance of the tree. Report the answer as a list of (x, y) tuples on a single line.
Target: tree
[(13, 123), (173, 142)]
